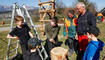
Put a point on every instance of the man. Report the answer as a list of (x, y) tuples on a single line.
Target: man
[(51, 31), (85, 19), (69, 31)]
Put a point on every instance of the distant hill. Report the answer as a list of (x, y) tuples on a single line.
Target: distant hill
[(4, 8)]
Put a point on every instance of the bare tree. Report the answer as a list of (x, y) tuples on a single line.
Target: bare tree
[(85, 2), (103, 11), (92, 7), (60, 7)]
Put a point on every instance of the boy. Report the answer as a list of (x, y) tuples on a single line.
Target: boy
[(94, 46), (33, 45), (21, 32)]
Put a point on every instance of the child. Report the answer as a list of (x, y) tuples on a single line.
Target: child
[(33, 45), (94, 46), (51, 31), (21, 32)]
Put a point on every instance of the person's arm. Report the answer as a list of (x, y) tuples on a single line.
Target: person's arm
[(13, 37), (91, 52), (47, 31), (92, 19), (31, 35), (76, 36), (56, 32), (12, 34), (64, 30), (29, 30)]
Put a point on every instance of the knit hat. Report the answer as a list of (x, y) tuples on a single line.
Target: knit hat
[(33, 42)]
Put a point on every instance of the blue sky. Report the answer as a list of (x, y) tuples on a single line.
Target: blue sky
[(99, 3)]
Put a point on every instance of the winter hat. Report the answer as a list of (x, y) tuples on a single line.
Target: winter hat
[(33, 42)]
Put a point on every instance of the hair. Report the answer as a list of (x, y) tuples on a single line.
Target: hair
[(55, 19), (71, 11), (94, 30), (19, 18), (81, 4)]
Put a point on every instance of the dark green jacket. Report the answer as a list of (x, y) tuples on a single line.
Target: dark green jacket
[(70, 27), (52, 32)]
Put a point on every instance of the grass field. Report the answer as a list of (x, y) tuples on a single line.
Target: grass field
[(4, 42)]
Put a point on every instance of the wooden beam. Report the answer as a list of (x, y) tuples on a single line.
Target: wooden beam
[(45, 11), (46, 2), (53, 8), (50, 11), (45, 20), (41, 23)]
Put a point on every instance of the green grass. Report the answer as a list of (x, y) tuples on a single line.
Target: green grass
[(3, 44), (4, 41), (102, 37)]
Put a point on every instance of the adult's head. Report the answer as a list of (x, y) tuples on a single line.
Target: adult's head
[(54, 21), (71, 13), (80, 7), (19, 20)]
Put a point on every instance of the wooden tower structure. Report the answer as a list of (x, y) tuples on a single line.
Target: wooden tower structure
[(46, 9)]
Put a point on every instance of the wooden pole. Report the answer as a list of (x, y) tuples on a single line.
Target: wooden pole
[(41, 20), (53, 8)]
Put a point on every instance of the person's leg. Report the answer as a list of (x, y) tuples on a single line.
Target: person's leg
[(76, 49), (25, 52), (50, 45), (83, 42), (70, 45), (76, 46)]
